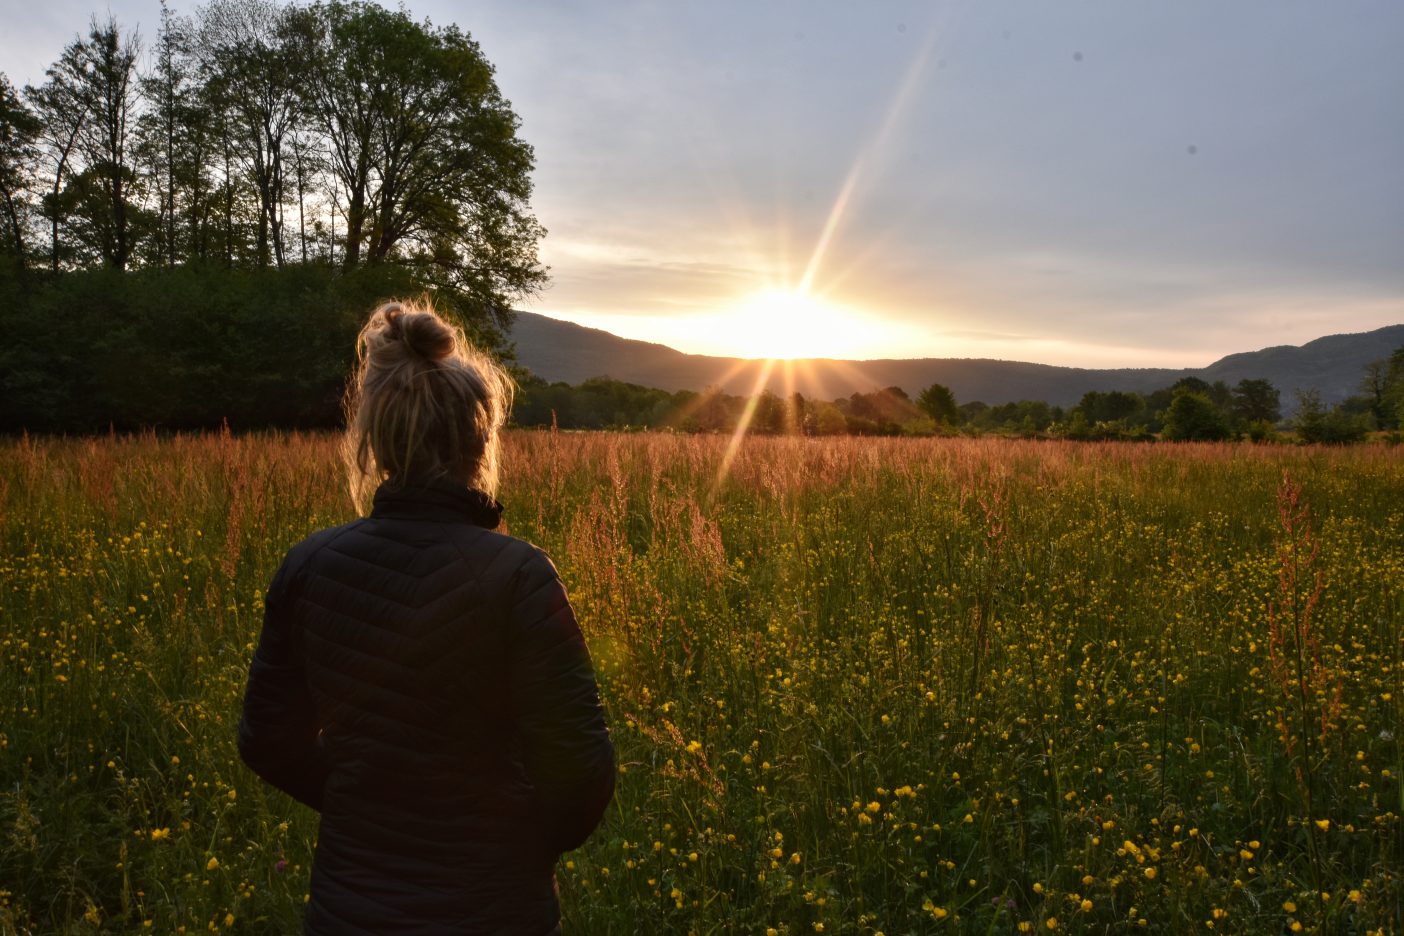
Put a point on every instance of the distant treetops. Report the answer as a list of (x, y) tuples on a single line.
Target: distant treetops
[(1191, 409)]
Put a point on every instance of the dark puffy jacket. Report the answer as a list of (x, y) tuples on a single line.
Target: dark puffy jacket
[(422, 681)]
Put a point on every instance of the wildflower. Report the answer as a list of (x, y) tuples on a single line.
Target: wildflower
[(212, 864), (158, 835), (1150, 874), (1323, 824)]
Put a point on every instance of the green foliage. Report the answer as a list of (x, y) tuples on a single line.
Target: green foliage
[(1257, 401), (1336, 426), (426, 148), (184, 348), (1027, 418), (1193, 417), (1114, 406), (1391, 392), (266, 134), (938, 402), (19, 128), (1261, 431)]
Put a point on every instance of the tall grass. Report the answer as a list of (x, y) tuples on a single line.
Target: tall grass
[(856, 686)]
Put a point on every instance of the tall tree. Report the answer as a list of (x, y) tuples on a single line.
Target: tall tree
[(165, 132), (1257, 400), (254, 64), (1374, 386), (109, 62), (63, 110), (1193, 417), (19, 130), (425, 150), (1314, 422), (938, 402)]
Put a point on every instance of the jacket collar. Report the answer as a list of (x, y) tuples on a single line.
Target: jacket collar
[(439, 499)]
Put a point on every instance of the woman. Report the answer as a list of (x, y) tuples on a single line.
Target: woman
[(421, 679)]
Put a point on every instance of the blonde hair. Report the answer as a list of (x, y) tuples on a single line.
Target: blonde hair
[(424, 404)]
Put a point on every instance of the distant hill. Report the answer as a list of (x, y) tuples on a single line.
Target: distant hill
[(563, 351)]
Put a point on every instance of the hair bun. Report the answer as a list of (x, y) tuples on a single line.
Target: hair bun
[(424, 334)]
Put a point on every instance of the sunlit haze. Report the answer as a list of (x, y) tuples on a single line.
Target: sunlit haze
[(1101, 183)]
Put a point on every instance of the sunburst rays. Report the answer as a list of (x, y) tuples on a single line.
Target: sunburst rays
[(811, 290)]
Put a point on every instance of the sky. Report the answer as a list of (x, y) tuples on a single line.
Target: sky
[(1080, 182)]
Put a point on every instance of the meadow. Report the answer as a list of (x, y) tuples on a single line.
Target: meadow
[(856, 685)]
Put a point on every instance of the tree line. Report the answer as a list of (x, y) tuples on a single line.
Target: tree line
[(1191, 409), (258, 134), (293, 157)]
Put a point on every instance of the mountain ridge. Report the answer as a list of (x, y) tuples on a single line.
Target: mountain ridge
[(557, 350)]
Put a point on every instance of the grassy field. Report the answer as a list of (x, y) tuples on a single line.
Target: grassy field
[(856, 686)]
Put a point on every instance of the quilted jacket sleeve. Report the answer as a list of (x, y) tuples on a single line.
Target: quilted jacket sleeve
[(278, 730), (555, 702)]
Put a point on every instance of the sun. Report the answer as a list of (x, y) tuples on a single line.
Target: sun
[(781, 324)]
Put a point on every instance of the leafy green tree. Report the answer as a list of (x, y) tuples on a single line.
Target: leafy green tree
[(1315, 423), (426, 151), (19, 130), (176, 137), (1257, 400), (1192, 385), (63, 111), (1193, 417), (254, 60), (1113, 406), (829, 420), (1382, 387), (767, 414), (938, 402), (108, 59), (1394, 390)]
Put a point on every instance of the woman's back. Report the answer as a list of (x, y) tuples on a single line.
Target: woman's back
[(422, 681)]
